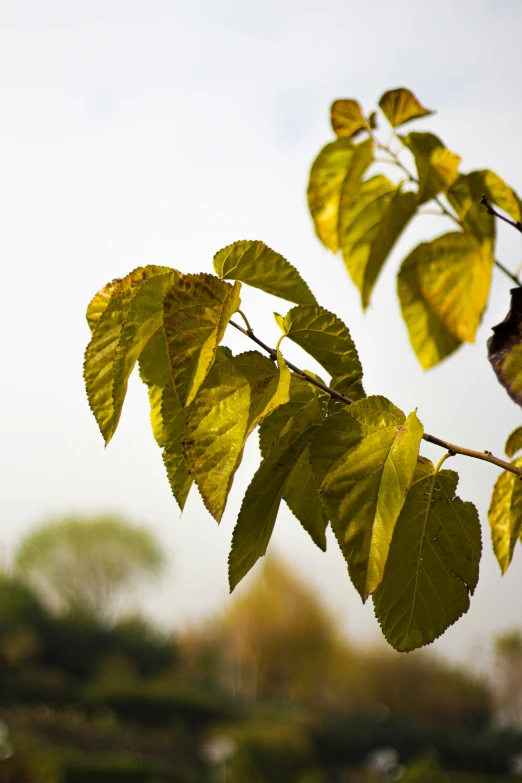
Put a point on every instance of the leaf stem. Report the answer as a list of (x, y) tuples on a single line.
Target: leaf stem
[(245, 319), (273, 355), (449, 214), (451, 448)]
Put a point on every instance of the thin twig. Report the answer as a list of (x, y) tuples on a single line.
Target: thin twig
[(486, 456), (516, 224), (445, 211), (273, 355)]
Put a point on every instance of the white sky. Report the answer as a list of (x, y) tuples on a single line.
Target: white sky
[(158, 132)]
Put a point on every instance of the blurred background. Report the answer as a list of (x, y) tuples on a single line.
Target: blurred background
[(159, 132)]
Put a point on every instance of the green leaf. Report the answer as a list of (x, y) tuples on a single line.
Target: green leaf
[(505, 349), (100, 301), (236, 395), (301, 394), (371, 226), (363, 459), (335, 178), (263, 497), (144, 318), (301, 497), (155, 373), (196, 313), (154, 361), (104, 353), (465, 194), (454, 273), (173, 418), (505, 515), (326, 338), (347, 118), (400, 106), (514, 442), (254, 263), (432, 567), (437, 167)]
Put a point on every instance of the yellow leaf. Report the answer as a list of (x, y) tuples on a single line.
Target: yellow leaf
[(400, 106)]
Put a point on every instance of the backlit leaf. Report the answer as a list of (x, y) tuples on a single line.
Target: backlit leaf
[(400, 106), (514, 442), (437, 167), (301, 394), (155, 373), (257, 265), (197, 310), (335, 178), (236, 395), (505, 348), (454, 274), (432, 567), (173, 418), (431, 340), (371, 226), (326, 338), (263, 497), (466, 192), (104, 349), (347, 118), (363, 459), (143, 320), (301, 496), (505, 515)]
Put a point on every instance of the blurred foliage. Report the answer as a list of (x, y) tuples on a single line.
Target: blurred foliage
[(87, 565), (269, 692)]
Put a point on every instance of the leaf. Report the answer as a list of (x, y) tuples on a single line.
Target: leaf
[(465, 194), (347, 118), (103, 351), (326, 338), (335, 178), (431, 340), (437, 167), (155, 373), (454, 274), (100, 301), (257, 265), (144, 318), (514, 442), (301, 394), (505, 349), (196, 313), (432, 567), (236, 395), (400, 106), (363, 459), (301, 497), (173, 417), (263, 497), (154, 361), (372, 225), (350, 387), (505, 515)]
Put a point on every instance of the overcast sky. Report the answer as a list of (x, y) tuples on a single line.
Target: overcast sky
[(158, 132)]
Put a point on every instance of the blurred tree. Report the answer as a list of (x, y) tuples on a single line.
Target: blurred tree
[(276, 641), (88, 565), (422, 689), (508, 679)]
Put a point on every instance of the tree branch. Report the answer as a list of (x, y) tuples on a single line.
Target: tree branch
[(492, 211), (452, 449)]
